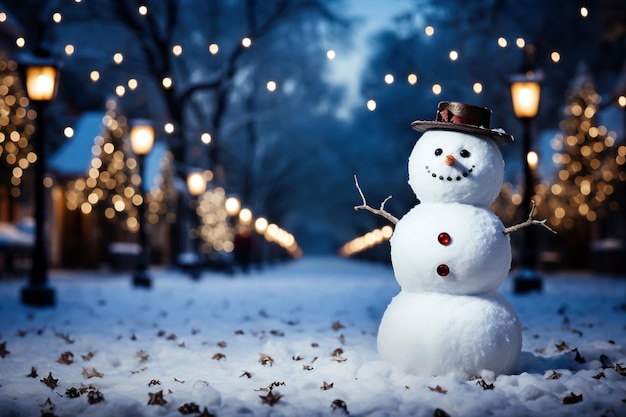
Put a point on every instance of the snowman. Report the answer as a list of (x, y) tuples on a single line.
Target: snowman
[(450, 254)]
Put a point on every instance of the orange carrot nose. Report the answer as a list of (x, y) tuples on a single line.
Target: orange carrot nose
[(449, 160)]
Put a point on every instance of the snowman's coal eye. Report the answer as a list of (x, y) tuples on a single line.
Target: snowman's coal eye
[(438, 151), (464, 153)]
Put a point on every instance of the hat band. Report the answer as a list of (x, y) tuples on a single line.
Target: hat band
[(447, 116)]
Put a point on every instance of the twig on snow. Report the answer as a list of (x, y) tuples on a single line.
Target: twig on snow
[(380, 211), (529, 222)]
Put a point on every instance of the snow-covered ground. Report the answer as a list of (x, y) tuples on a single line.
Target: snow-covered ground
[(297, 339)]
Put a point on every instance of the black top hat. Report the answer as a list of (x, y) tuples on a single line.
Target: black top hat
[(461, 117)]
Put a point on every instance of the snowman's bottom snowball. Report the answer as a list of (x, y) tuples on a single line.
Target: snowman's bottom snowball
[(437, 334)]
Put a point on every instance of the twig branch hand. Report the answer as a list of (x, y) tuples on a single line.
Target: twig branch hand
[(379, 211), (529, 222)]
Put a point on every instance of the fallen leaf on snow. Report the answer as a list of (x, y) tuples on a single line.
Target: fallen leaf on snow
[(49, 381), (156, 398), (271, 398), (572, 398)]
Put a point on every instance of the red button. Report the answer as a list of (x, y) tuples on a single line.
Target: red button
[(444, 238), (443, 270)]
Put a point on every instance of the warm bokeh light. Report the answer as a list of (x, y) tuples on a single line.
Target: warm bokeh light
[(245, 216), (584, 12), (532, 159), (502, 43), (330, 54), (555, 56), (167, 82), (177, 50), (271, 86), (366, 241), (69, 49), (169, 128), (389, 78), (371, 105), (454, 55), (412, 79), (233, 206), (214, 49), (436, 88), (205, 138), (478, 88), (94, 76), (520, 42), (118, 58), (246, 42), (68, 132), (429, 30), (143, 10)]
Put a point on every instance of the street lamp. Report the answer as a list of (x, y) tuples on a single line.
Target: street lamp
[(141, 141), (196, 184), (525, 92), (40, 75)]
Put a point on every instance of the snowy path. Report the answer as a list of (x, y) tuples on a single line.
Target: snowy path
[(294, 340)]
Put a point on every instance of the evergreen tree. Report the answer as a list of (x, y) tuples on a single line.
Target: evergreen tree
[(113, 181), (16, 129), (591, 166)]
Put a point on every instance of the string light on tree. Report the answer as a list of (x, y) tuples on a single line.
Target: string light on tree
[(132, 84), (94, 76), (118, 58), (271, 86), (69, 49), (477, 87), (502, 43), (454, 55), (389, 78), (371, 104), (520, 42), (177, 50), (20, 42), (436, 89), (412, 79), (57, 17), (16, 152), (246, 42), (214, 49), (68, 132), (167, 82), (169, 128), (330, 54), (429, 31), (143, 10)]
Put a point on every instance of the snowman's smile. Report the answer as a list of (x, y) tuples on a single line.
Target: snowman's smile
[(456, 177)]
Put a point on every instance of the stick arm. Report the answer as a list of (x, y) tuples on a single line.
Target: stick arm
[(380, 211)]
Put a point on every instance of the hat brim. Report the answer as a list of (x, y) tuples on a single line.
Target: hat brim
[(498, 135)]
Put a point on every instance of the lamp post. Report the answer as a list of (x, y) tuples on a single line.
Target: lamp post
[(141, 140), (525, 92), (196, 184), (41, 75)]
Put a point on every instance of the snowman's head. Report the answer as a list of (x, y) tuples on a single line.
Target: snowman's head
[(448, 166)]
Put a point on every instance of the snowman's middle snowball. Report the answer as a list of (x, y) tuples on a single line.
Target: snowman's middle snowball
[(450, 248)]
